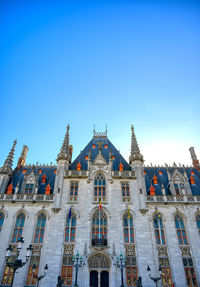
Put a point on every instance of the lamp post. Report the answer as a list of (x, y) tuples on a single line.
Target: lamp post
[(41, 276), (155, 279), (121, 263), (77, 262), (12, 259)]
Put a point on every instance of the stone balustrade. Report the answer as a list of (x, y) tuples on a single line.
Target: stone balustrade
[(76, 173), (123, 174), (173, 198), (26, 197)]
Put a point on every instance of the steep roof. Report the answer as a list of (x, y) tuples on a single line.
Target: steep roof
[(163, 178), (93, 147), (49, 171)]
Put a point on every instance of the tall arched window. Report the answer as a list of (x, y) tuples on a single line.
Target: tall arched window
[(99, 187), (1, 219), (198, 222), (40, 228), (159, 231), (99, 228), (180, 229), (70, 230), (128, 228), (18, 229)]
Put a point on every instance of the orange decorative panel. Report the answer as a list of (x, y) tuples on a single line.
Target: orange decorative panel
[(44, 178), (155, 179), (192, 181), (10, 189), (160, 172), (106, 146), (48, 189), (152, 190), (113, 157), (121, 167), (24, 171), (39, 171), (86, 157), (78, 166), (93, 145), (145, 172), (192, 172)]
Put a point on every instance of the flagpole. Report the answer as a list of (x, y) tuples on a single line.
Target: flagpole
[(99, 224)]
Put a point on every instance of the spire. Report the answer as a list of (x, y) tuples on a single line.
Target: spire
[(7, 166), (22, 158), (135, 151), (65, 149), (195, 160)]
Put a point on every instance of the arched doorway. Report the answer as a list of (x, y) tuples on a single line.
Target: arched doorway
[(99, 265)]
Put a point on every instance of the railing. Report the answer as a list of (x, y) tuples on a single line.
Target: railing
[(123, 174), (26, 197), (99, 242), (173, 198), (76, 173)]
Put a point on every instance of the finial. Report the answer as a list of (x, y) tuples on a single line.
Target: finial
[(135, 151), (7, 166)]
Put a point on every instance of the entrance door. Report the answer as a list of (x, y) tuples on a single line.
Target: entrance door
[(93, 279), (104, 279)]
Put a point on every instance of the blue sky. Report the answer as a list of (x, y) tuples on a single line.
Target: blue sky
[(98, 62)]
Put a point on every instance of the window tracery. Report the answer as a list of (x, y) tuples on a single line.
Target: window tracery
[(70, 229), (74, 191), (99, 227), (128, 228), (180, 229), (40, 229), (99, 188), (18, 229), (125, 191), (159, 230)]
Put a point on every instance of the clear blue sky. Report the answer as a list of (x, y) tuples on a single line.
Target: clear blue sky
[(98, 62)]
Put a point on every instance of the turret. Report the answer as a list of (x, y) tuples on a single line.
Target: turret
[(136, 162), (6, 169), (63, 160), (135, 156), (195, 161), (22, 158)]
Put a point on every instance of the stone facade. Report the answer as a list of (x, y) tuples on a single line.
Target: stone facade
[(139, 205)]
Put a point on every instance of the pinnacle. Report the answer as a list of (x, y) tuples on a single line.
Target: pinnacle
[(135, 151), (7, 166), (65, 150)]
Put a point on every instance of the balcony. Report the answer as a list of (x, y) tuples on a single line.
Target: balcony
[(123, 174), (99, 242)]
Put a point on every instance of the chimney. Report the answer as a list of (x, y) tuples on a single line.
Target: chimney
[(22, 159), (195, 161)]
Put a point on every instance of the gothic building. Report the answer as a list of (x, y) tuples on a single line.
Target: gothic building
[(100, 205)]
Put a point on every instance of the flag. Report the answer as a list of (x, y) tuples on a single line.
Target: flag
[(70, 213), (128, 212), (158, 214), (100, 207)]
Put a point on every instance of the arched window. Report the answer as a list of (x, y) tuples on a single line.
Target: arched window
[(1, 219), (99, 187), (198, 222), (70, 230), (99, 228), (159, 231), (18, 229), (125, 191), (180, 229), (176, 187), (128, 228), (40, 228)]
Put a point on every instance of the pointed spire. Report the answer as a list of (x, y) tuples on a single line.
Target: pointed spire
[(135, 151), (7, 166), (65, 149)]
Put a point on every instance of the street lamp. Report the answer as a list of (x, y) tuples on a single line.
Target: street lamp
[(121, 263), (41, 276), (12, 258), (77, 262), (155, 279)]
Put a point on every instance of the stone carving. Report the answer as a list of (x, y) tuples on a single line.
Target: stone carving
[(130, 250), (37, 248), (98, 260), (162, 250), (68, 249), (185, 250)]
